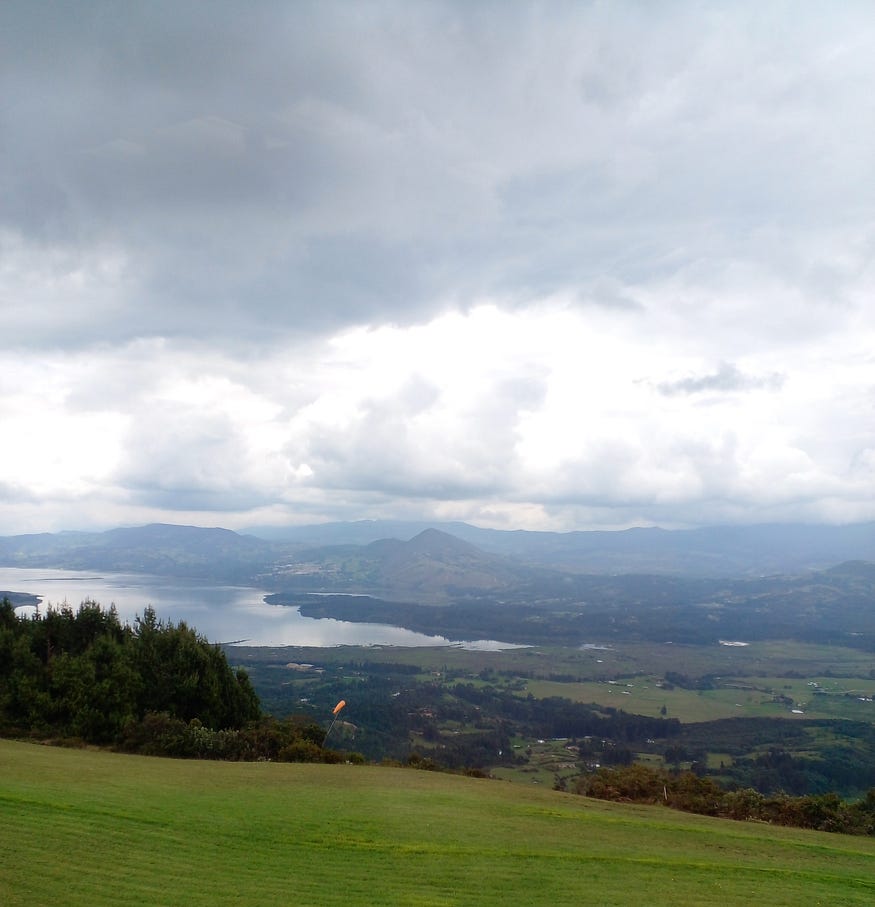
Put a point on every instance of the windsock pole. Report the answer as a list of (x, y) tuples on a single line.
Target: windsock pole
[(335, 711)]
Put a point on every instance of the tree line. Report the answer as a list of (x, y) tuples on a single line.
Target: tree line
[(156, 688), (691, 793)]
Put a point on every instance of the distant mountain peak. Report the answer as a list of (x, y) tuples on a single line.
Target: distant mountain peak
[(431, 543), (436, 540)]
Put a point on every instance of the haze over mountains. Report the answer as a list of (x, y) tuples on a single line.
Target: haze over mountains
[(714, 551), (426, 556)]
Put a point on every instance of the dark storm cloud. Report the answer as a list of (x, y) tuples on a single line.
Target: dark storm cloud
[(264, 169), (258, 170)]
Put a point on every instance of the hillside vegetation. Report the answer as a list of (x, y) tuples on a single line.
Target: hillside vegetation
[(85, 674), (104, 830)]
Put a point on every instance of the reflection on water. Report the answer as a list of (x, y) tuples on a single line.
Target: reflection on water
[(222, 614)]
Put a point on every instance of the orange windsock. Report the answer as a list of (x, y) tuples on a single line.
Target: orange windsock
[(339, 706)]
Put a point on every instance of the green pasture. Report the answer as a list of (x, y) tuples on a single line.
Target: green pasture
[(641, 696), (547, 762), (770, 658), (765, 658), (94, 828), (824, 697), (734, 697)]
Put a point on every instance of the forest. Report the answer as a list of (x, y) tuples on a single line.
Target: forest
[(155, 688)]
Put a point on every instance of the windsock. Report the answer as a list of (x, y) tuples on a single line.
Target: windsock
[(338, 707)]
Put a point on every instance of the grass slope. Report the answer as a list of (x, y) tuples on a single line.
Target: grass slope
[(96, 828)]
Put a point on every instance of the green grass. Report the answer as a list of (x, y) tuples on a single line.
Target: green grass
[(92, 828), (764, 658), (548, 761), (641, 696), (734, 697)]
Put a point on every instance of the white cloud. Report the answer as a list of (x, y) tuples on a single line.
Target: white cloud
[(530, 416)]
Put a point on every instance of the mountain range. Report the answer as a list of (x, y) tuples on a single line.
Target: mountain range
[(422, 556), (810, 583), (712, 551)]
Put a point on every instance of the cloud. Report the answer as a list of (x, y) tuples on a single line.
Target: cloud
[(727, 379), (305, 168), (535, 416), (587, 264)]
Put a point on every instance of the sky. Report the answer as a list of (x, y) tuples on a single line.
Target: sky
[(559, 265)]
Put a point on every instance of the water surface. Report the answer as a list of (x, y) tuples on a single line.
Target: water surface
[(224, 614)]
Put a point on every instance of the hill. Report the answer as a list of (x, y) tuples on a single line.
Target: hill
[(550, 608), (97, 829), (431, 567), (711, 551), (167, 550)]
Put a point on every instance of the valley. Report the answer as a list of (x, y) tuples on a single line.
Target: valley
[(755, 680)]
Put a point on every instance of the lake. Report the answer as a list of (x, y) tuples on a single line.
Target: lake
[(223, 614)]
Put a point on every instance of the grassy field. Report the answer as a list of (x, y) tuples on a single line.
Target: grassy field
[(624, 661), (734, 697), (94, 828), (769, 658)]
